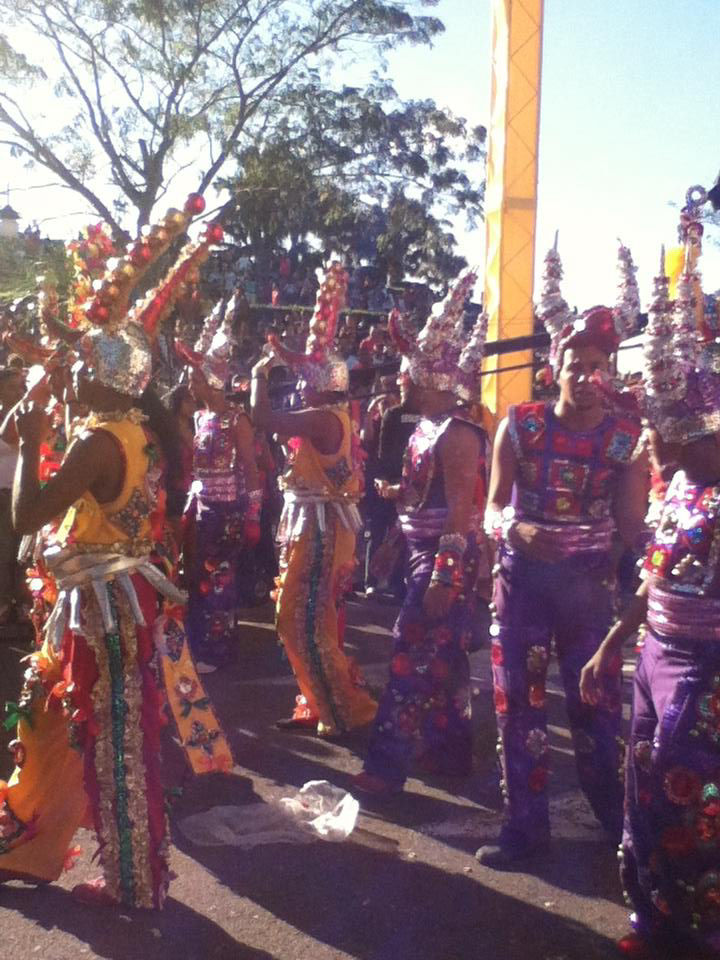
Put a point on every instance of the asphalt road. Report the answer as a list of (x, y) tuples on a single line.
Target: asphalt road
[(405, 886)]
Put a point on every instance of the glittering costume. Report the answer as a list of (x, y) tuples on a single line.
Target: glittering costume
[(216, 513), (670, 863), (426, 708), (565, 485), (671, 845), (317, 532), (87, 747)]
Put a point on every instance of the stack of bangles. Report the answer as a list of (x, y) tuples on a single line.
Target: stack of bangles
[(448, 567), (499, 523)]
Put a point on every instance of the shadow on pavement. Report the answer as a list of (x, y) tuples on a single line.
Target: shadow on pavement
[(379, 906), (177, 931)]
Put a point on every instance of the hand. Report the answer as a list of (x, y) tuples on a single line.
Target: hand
[(605, 663), (263, 367), (438, 600), (41, 391), (535, 542), (31, 422)]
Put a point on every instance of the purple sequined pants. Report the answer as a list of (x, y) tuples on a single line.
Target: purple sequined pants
[(425, 710), (671, 844), (213, 594), (570, 602)]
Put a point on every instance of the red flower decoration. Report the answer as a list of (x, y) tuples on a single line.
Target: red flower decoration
[(496, 655), (536, 695), (682, 786), (501, 701), (677, 841), (401, 665)]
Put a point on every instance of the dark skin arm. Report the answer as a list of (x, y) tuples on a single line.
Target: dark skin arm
[(321, 427), (93, 463), (630, 505), (607, 660), (459, 452), (245, 446)]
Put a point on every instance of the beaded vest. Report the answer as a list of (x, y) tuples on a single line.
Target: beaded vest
[(566, 476), (217, 475), (685, 550)]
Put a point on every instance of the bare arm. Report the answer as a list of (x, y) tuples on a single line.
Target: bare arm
[(460, 450), (631, 500), (322, 427), (245, 446), (91, 461), (504, 469)]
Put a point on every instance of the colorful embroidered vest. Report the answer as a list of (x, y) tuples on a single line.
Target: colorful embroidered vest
[(685, 550), (565, 476), (422, 484), (217, 476), (332, 476), (122, 525)]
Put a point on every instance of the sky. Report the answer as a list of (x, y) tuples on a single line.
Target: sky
[(629, 121)]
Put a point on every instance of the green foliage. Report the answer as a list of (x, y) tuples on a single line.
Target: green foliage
[(23, 260)]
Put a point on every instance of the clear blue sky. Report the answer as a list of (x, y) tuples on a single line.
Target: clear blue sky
[(629, 121)]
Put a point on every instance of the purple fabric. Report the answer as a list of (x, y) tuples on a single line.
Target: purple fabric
[(671, 844), (213, 591), (426, 708), (572, 602)]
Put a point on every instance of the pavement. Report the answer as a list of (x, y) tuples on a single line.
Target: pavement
[(404, 886)]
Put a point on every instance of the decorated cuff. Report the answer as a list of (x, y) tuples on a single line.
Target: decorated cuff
[(448, 567), (254, 504), (498, 523)]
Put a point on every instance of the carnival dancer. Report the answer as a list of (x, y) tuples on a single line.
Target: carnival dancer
[(88, 731), (575, 475), (426, 708), (226, 499), (319, 523), (670, 853)]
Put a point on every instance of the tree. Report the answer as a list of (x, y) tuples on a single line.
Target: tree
[(364, 172), (144, 88)]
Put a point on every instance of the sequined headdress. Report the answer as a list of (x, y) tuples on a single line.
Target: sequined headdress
[(601, 326), (442, 357), (213, 348), (681, 363), (321, 367), (117, 344)]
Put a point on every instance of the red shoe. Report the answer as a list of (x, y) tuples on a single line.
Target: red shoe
[(374, 786)]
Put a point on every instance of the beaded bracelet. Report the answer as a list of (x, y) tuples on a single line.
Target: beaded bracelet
[(448, 566)]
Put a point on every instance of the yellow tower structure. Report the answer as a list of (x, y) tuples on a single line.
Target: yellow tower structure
[(511, 193)]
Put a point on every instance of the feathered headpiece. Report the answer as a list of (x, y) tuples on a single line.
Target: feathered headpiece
[(213, 348), (681, 369), (323, 369), (441, 357), (117, 345)]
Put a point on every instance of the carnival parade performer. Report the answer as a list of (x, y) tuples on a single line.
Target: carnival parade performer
[(568, 487), (319, 523), (226, 499), (425, 712), (88, 717), (670, 853)]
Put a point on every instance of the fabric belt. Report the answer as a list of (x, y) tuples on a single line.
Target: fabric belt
[(300, 508), (76, 574), (675, 615)]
